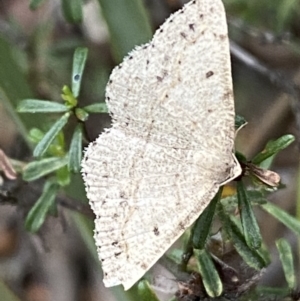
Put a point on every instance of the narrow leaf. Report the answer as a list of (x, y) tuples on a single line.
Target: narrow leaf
[(37, 169), (97, 108), (72, 10), (38, 212), (211, 280), (75, 153), (68, 97), (249, 223), (272, 148), (40, 106), (145, 292), (34, 4), (79, 60), (285, 218), (203, 224), (63, 176), (36, 135), (286, 258), (14, 86), (43, 145), (251, 256), (273, 293), (81, 114)]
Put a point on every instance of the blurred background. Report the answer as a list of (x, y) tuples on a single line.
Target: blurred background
[(37, 42)]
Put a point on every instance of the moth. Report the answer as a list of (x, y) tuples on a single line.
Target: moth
[(170, 147)]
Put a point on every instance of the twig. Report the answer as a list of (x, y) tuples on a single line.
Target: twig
[(10, 168)]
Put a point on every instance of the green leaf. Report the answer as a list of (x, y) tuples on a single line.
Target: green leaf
[(68, 96), (285, 218), (286, 258), (43, 145), (239, 122), (256, 197), (81, 114), (79, 60), (63, 176), (249, 223), (175, 255), (38, 212), (128, 24), (36, 135), (96, 108), (251, 256), (40, 106), (37, 169), (145, 292), (211, 280), (14, 87), (273, 293), (203, 224), (72, 10), (75, 153), (272, 148), (34, 4)]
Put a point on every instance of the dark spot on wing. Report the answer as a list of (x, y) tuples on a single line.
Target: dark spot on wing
[(114, 243), (159, 78), (183, 34), (155, 231), (209, 74), (181, 226), (131, 57), (192, 26), (118, 254)]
